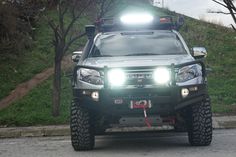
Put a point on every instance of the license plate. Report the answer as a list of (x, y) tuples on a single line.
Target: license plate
[(139, 104)]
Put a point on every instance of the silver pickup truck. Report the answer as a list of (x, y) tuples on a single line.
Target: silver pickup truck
[(137, 71)]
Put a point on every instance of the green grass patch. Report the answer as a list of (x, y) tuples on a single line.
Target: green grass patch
[(220, 43), (36, 107), (40, 56), (21, 68)]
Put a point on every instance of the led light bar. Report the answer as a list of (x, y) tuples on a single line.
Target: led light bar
[(137, 19)]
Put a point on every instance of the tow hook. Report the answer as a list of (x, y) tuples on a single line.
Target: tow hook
[(146, 117)]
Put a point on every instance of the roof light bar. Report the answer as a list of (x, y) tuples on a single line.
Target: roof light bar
[(137, 19)]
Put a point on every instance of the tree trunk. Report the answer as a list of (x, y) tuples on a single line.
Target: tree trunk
[(57, 88)]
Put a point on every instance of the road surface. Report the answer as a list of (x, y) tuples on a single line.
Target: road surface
[(130, 145)]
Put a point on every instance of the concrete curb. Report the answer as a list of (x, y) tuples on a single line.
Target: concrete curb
[(224, 122), (221, 122), (35, 131)]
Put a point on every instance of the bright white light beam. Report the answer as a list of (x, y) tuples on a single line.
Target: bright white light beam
[(137, 19), (116, 77), (162, 75)]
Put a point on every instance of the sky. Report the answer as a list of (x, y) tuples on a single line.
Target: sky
[(198, 9)]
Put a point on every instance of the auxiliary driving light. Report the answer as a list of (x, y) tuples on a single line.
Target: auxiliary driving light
[(95, 96), (137, 19), (116, 77), (162, 75), (184, 92)]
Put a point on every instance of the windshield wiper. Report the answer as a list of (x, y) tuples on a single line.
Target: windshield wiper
[(103, 56), (176, 54), (142, 54)]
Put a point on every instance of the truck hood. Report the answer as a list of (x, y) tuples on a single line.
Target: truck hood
[(132, 61)]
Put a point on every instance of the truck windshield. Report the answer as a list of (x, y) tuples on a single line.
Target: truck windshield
[(137, 44)]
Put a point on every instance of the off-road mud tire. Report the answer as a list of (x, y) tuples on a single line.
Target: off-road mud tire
[(199, 122), (82, 128)]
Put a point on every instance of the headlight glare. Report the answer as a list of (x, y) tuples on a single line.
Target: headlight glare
[(116, 77), (137, 19), (162, 75)]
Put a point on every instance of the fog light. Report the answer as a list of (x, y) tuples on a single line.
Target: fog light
[(184, 92), (95, 96)]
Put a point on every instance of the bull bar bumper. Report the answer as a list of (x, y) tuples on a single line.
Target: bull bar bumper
[(165, 100)]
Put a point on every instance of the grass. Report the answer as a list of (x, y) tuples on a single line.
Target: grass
[(220, 43), (35, 108), (28, 63), (33, 60)]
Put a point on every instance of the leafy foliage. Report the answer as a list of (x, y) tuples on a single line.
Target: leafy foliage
[(17, 20)]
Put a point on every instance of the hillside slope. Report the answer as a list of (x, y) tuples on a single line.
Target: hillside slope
[(35, 108), (221, 45)]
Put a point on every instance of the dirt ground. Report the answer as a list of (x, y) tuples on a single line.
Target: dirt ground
[(24, 88)]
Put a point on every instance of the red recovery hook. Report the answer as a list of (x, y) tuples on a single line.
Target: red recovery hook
[(146, 117)]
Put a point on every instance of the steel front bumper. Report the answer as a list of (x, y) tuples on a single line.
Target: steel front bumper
[(165, 101)]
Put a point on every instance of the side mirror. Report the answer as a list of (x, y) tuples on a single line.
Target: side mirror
[(199, 52), (76, 56)]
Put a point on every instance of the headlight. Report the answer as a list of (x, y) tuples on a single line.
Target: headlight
[(162, 75), (116, 77), (188, 73), (90, 76)]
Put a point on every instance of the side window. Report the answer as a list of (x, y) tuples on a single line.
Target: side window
[(96, 52), (86, 50)]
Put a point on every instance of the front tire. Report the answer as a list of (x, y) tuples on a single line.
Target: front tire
[(82, 128), (200, 123)]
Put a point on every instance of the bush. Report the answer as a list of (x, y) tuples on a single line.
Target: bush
[(17, 19)]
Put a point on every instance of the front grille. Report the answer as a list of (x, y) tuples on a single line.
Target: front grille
[(140, 78)]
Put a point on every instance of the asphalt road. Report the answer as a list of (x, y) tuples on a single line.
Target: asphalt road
[(131, 145)]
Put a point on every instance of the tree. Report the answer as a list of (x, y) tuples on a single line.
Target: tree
[(230, 5), (104, 6), (66, 34), (17, 20)]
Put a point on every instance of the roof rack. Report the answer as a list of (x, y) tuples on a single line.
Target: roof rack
[(114, 24)]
